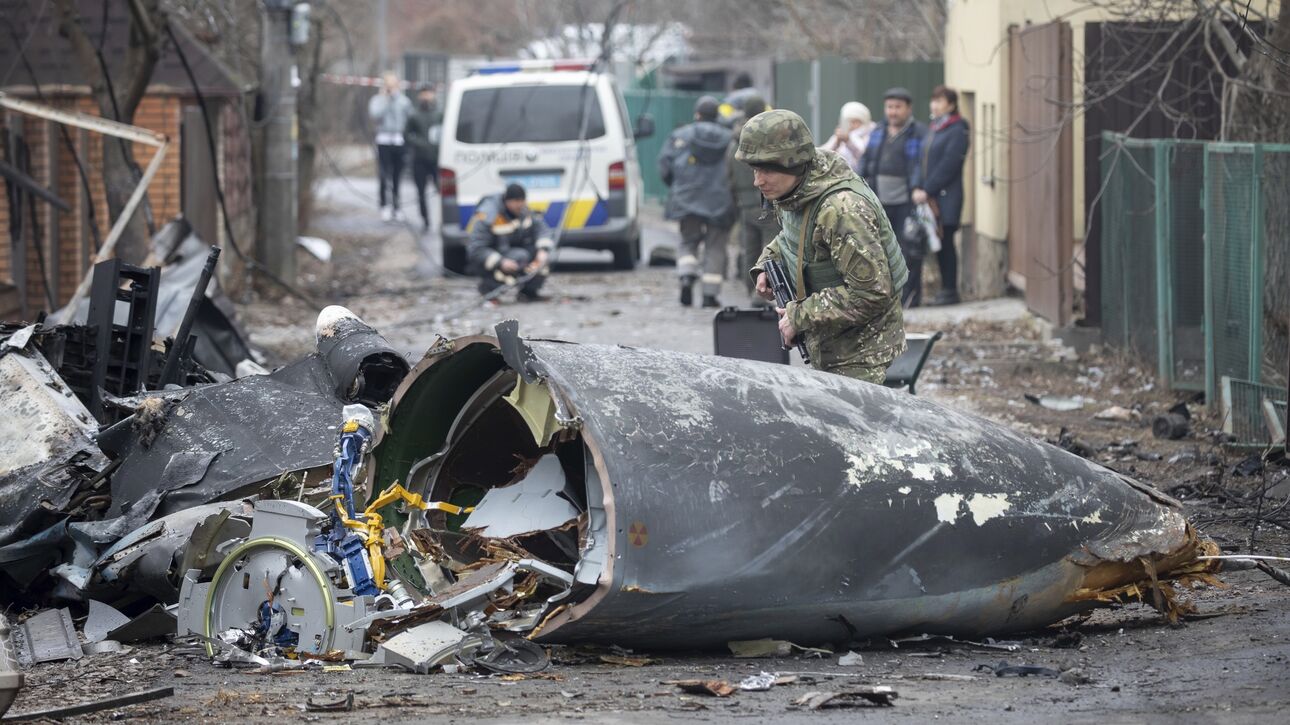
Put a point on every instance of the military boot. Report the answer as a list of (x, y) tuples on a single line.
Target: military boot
[(687, 290)]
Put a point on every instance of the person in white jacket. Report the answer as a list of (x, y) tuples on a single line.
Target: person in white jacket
[(852, 134), (388, 112)]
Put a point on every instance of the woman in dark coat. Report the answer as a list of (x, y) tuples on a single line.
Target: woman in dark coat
[(944, 151)]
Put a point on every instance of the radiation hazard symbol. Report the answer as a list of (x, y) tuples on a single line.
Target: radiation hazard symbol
[(638, 534)]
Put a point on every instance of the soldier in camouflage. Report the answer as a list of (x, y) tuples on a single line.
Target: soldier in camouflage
[(836, 246)]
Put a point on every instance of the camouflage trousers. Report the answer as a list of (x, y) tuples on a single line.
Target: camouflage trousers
[(754, 235), (875, 374), (698, 232)]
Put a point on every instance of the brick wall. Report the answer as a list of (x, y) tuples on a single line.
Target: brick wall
[(68, 249)]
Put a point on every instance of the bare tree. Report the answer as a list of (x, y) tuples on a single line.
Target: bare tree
[(118, 96), (1240, 54), (1202, 58), (788, 29), (1261, 93), (877, 29)]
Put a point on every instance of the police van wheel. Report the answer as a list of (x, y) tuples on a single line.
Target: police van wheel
[(454, 258), (625, 256)]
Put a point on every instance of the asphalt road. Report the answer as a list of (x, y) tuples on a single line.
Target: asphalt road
[(1230, 665)]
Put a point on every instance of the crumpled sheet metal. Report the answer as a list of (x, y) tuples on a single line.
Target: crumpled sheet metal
[(246, 431), (220, 441), (221, 342), (46, 445), (181, 449), (751, 500), (149, 560)]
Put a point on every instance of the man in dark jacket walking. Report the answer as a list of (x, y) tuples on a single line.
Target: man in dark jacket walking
[(892, 166), (508, 241), (420, 134), (944, 152), (692, 163)]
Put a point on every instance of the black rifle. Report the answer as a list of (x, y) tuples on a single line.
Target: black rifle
[(783, 295)]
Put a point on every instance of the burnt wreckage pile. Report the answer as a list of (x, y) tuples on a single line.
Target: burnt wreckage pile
[(125, 461), (507, 492)]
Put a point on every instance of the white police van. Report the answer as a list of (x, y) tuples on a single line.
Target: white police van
[(520, 122)]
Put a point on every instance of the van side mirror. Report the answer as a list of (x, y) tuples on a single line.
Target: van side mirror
[(644, 126)]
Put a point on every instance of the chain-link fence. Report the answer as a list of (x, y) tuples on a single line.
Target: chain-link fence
[(1129, 247), (1195, 251), (1275, 363)]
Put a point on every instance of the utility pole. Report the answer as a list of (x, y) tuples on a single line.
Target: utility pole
[(383, 50), (277, 243)]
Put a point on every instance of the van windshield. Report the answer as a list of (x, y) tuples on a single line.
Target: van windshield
[(529, 114)]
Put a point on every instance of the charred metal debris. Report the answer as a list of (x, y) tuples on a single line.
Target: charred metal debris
[(128, 459), (505, 493)]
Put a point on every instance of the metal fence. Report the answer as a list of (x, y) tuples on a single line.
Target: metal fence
[(1194, 258), (816, 89), (670, 109)]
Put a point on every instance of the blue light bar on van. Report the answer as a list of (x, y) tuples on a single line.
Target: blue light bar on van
[(533, 66)]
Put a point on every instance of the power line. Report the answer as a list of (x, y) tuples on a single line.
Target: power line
[(22, 46), (251, 264)]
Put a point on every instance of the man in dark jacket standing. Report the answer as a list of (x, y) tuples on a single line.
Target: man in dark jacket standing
[(757, 224), (692, 163), (892, 166), (944, 152), (420, 135), (508, 241)]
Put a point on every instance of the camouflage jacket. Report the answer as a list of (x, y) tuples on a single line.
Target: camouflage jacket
[(857, 323)]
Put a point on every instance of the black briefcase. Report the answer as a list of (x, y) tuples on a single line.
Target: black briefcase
[(749, 333)]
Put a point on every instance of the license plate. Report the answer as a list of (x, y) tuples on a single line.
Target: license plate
[(533, 181)]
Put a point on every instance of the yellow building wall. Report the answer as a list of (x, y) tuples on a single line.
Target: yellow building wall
[(976, 62)]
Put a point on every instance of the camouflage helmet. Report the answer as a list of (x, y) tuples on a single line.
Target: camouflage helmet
[(776, 138)]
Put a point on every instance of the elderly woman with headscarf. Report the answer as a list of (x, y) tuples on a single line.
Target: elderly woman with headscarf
[(852, 134)]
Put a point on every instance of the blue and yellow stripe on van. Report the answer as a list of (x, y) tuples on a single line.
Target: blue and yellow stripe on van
[(582, 212)]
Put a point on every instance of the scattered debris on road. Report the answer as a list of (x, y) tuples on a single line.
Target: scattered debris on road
[(351, 511), (109, 703), (715, 688), (1003, 669), (879, 695), (851, 659)]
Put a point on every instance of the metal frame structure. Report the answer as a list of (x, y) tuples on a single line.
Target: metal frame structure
[(107, 127)]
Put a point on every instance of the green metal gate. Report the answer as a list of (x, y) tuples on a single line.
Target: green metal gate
[(1153, 254), (842, 80), (1194, 258), (1247, 229), (671, 110)]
